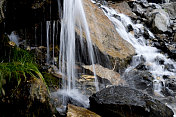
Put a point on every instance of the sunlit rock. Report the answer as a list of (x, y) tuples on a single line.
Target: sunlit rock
[(123, 7), (106, 73), (161, 20), (75, 111), (103, 33)]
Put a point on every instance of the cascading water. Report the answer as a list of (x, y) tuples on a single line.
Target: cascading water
[(14, 38), (48, 23), (145, 53), (73, 19)]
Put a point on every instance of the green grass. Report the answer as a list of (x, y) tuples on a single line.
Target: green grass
[(21, 66)]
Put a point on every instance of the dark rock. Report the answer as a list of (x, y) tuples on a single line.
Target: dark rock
[(140, 79), (31, 98), (160, 44), (155, 1), (141, 66), (117, 101), (137, 8), (20, 13), (171, 84), (174, 37), (129, 28), (2, 16)]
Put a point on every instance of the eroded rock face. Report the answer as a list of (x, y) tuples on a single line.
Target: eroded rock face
[(103, 33), (117, 101), (74, 111)]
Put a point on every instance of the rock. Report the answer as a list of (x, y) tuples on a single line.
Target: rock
[(74, 111), (137, 8), (104, 35), (31, 98), (2, 16), (160, 20), (20, 13), (171, 84), (170, 8), (117, 101), (140, 79), (174, 40), (106, 73), (123, 7), (53, 81)]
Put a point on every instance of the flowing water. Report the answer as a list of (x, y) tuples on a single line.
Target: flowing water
[(14, 38), (145, 53), (48, 24), (73, 19)]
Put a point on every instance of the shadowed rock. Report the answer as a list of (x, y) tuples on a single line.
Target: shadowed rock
[(117, 101)]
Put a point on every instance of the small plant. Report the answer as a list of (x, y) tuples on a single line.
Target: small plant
[(21, 66)]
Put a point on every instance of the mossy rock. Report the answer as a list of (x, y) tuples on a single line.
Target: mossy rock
[(30, 99), (53, 82)]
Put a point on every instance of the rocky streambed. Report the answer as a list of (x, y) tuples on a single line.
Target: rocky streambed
[(126, 90)]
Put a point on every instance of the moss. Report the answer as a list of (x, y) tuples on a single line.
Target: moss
[(52, 81)]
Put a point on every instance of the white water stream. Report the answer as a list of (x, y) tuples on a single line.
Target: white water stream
[(149, 54), (14, 38), (73, 17)]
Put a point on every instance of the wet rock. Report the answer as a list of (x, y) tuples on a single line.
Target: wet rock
[(74, 111), (171, 84), (126, 102), (137, 8), (53, 81), (141, 66), (104, 35), (170, 8), (106, 73), (160, 44), (160, 21), (123, 7), (130, 28), (155, 1), (140, 79)]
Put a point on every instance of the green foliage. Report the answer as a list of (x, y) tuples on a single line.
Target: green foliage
[(21, 67)]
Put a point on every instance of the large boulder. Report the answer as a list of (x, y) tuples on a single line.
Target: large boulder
[(104, 35), (117, 101), (161, 20)]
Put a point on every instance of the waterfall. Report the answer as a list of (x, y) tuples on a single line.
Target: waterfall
[(14, 38), (145, 53), (73, 18), (54, 26), (48, 23)]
